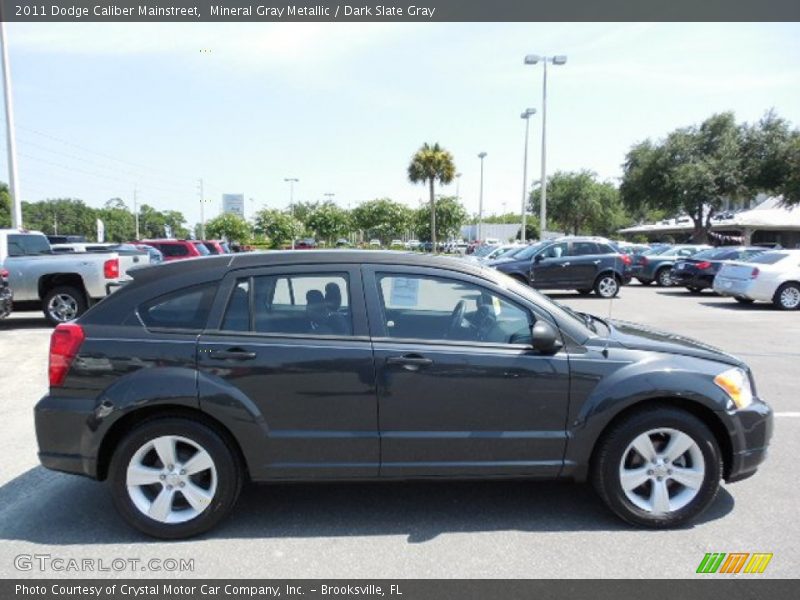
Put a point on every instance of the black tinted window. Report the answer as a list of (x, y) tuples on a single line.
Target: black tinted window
[(26, 245), (172, 249), (313, 304), (184, 309), (583, 248)]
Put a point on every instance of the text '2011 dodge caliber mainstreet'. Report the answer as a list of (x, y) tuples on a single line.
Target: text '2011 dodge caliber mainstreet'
[(339, 365)]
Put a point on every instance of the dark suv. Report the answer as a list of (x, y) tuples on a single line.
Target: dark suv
[(350, 365), (584, 264)]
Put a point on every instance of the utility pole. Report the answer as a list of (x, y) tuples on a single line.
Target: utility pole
[(291, 181), (202, 212), (527, 114), (13, 177), (482, 155), (136, 211)]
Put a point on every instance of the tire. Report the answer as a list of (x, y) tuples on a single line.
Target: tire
[(216, 487), (63, 303), (606, 285), (694, 290), (743, 300), (584, 291), (787, 297), (663, 278), (701, 463), (645, 281)]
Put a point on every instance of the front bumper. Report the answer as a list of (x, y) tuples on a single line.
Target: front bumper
[(750, 431)]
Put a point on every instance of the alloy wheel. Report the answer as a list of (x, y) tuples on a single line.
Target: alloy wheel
[(171, 479), (661, 471), (607, 287), (62, 308), (790, 297)]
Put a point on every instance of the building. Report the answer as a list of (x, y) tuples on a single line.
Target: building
[(501, 231), (769, 222), (233, 203)]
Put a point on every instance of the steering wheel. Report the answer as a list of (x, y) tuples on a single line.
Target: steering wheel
[(456, 317)]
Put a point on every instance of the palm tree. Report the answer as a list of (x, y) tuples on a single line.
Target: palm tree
[(429, 164)]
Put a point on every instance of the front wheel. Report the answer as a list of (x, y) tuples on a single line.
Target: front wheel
[(658, 468), (787, 297), (664, 277), (64, 303), (174, 478), (606, 286)]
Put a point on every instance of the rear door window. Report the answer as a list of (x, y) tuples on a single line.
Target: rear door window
[(583, 248)]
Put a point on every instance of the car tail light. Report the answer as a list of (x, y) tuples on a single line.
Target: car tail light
[(703, 265), (626, 259), (754, 273), (4, 273), (64, 345), (111, 268)]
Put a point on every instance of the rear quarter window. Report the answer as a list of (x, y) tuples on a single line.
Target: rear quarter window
[(184, 309)]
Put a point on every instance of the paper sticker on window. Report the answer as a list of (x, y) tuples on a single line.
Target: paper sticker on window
[(496, 305), (405, 292)]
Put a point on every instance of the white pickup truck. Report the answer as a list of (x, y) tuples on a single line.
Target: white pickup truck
[(64, 285)]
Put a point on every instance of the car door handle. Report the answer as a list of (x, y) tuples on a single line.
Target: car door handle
[(232, 354), (410, 362), (566, 264), (597, 262)]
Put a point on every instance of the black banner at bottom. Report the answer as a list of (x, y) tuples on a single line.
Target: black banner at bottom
[(706, 588)]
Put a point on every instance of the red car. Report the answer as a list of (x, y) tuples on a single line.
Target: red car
[(178, 249), (217, 246)]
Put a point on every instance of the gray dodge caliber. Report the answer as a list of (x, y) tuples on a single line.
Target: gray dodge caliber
[(352, 365)]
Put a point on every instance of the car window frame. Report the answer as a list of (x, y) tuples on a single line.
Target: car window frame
[(372, 291), (358, 311)]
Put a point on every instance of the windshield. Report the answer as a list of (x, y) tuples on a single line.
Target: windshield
[(529, 251)]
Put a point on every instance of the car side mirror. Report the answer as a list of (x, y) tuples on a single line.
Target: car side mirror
[(538, 258), (544, 338)]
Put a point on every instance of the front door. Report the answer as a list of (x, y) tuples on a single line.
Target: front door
[(460, 390), (550, 268), (292, 343)]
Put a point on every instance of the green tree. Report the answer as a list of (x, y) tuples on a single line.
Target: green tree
[(430, 164), (5, 206), (119, 222), (151, 223), (66, 216), (278, 227), (328, 221), (450, 216), (228, 226), (383, 218), (578, 203), (301, 211)]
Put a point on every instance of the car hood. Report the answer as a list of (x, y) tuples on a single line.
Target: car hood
[(640, 337)]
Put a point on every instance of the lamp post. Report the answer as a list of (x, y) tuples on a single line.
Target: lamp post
[(291, 181), (527, 114), (482, 155), (532, 59), (13, 177), (458, 185)]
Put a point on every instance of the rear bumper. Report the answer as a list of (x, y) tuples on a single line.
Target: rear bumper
[(63, 425), (750, 432), (697, 280), (749, 288)]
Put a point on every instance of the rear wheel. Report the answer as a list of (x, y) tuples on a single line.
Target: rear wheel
[(174, 478), (658, 468), (664, 278), (606, 286), (787, 297), (64, 303)]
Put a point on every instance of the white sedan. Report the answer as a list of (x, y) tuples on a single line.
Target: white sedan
[(769, 277)]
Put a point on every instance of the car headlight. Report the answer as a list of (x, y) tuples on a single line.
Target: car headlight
[(736, 384)]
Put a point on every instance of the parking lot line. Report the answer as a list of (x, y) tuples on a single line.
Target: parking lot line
[(787, 414)]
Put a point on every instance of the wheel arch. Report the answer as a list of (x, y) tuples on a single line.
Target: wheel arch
[(709, 418), (53, 280), (159, 411)]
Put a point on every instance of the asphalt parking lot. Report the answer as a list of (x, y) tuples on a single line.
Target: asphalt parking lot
[(424, 530)]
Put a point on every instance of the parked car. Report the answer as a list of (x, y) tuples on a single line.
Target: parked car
[(66, 239), (155, 255), (217, 246), (697, 272), (6, 295), (396, 244), (178, 249), (368, 365), (375, 243), (343, 243), (305, 244), (631, 249), (584, 264), (62, 285), (772, 276), (656, 264), (130, 256), (495, 252), (412, 244)]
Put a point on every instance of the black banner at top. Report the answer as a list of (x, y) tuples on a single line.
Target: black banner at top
[(399, 10)]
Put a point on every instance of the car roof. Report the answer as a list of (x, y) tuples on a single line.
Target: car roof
[(317, 257)]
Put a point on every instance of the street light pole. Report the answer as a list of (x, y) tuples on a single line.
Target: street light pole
[(527, 116), (291, 181), (533, 59), (482, 155), (13, 177), (458, 184)]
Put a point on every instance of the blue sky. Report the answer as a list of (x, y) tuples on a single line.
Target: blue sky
[(104, 108)]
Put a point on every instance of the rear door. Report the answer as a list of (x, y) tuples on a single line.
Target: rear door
[(293, 344), (584, 262), (460, 390)]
